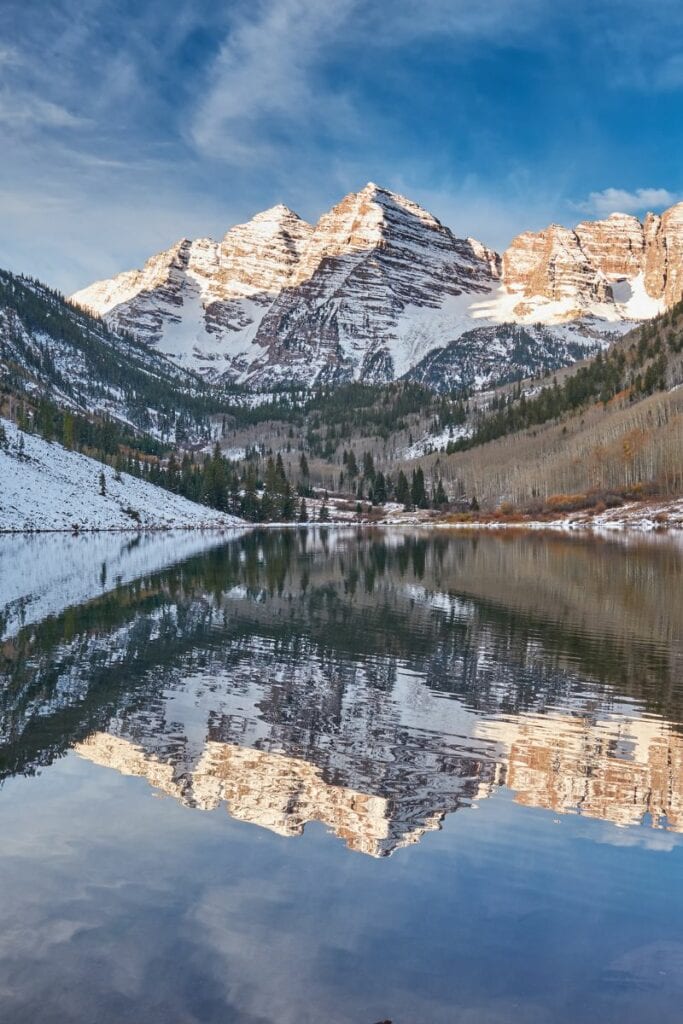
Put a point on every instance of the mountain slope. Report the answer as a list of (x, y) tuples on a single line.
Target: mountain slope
[(607, 430), (47, 487), (378, 284), (487, 357), (48, 347)]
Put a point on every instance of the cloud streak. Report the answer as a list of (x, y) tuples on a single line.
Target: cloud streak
[(267, 89), (263, 86), (619, 200)]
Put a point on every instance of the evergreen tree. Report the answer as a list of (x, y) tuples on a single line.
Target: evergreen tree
[(251, 506), (379, 490), (103, 484), (303, 512), (402, 489), (288, 507), (368, 466), (187, 477), (418, 495), (280, 475), (172, 476), (215, 483), (440, 496)]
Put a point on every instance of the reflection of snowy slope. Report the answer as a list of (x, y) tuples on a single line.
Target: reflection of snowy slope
[(42, 574)]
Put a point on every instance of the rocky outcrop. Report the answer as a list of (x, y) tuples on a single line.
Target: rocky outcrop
[(615, 246), (664, 255), (603, 261), (553, 265)]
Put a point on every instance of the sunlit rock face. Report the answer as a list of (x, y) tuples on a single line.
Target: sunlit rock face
[(614, 246), (635, 267), (551, 264), (664, 255)]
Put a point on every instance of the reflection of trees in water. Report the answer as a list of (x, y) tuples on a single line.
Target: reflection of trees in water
[(504, 625)]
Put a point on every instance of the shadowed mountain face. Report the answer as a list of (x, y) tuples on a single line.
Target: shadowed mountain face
[(375, 682)]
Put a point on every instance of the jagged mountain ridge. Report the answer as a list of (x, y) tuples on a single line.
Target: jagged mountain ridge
[(379, 284)]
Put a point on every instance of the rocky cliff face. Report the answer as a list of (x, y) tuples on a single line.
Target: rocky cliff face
[(635, 267), (365, 293), (615, 247), (663, 266), (378, 284), (551, 264)]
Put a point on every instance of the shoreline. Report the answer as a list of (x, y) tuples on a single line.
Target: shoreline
[(634, 518)]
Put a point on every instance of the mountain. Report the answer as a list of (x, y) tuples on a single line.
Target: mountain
[(486, 357), (379, 284), (50, 348), (635, 268), (363, 294)]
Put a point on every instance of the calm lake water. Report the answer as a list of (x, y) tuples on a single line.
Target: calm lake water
[(305, 776)]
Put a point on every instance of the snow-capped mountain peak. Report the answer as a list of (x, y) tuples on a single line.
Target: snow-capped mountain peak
[(378, 283)]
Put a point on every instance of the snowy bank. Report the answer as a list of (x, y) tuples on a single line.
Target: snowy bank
[(44, 486), (638, 517)]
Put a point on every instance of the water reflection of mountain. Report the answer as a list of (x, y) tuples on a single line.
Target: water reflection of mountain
[(375, 683)]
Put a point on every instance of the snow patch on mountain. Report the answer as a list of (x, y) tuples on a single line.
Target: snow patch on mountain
[(436, 442)]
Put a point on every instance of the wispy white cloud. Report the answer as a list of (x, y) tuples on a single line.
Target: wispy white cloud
[(262, 85), (150, 119), (265, 92), (23, 110), (619, 200)]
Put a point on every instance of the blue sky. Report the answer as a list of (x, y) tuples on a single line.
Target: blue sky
[(126, 125)]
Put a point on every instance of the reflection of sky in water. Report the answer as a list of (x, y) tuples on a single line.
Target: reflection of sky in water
[(132, 894)]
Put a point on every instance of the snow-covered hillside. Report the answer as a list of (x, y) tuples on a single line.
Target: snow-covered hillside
[(43, 486), (50, 348)]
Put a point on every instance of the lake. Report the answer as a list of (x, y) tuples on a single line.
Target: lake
[(341, 775)]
